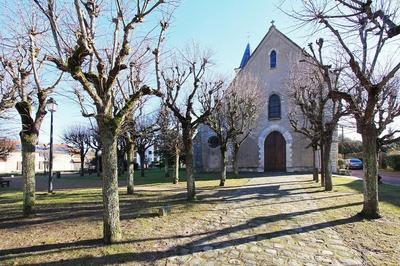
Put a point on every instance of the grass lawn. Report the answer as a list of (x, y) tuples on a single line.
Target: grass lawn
[(379, 240), (155, 176)]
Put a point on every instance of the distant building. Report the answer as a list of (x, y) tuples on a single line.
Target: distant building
[(63, 159), (273, 145), (151, 156)]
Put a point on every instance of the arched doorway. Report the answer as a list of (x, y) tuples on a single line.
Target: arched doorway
[(275, 153)]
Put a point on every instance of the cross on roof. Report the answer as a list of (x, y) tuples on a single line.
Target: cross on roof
[(273, 22)]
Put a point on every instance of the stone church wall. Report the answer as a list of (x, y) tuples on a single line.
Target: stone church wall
[(274, 81)]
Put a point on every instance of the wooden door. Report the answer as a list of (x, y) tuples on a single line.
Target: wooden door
[(275, 153)]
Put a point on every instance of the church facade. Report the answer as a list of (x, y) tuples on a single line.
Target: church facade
[(273, 144)]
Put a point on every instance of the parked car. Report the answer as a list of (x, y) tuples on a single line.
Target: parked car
[(354, 164)]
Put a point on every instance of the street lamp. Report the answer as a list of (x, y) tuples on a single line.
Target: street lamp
[(51, 107)]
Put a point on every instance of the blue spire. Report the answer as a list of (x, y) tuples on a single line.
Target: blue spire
[(246, 56)]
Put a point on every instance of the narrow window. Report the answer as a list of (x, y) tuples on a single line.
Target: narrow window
[(272, 59), (274, 107)]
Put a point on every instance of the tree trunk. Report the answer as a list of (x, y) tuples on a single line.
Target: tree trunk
[(121, 161), (28, 143), (322, 165), (190, 181), (131, 167), (97, 163), (371, 204), (236, 148), (142, 154), (176, 168), (327, 160), (111, 220), (223, 165), (166, 166), (315, 167), (82, 154)]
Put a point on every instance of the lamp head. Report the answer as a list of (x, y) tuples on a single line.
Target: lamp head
[(51, 105)]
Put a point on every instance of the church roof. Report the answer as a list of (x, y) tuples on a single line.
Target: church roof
[(271, 30), (246, 56)]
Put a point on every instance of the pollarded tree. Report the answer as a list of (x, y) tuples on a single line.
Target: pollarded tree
[(175, 145), (95, 144), (137, 135), (365, 33), (310, 83), (98, 60), (78, 138), (235, 117), (145, 136), (302, 125), (7, 94), (185, 84), (22, 63), (169, 140), (121, 153), (244, 105), (161, 142), (6, 146), (138, 72)]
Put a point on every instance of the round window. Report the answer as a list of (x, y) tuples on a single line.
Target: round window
[(213, 141)]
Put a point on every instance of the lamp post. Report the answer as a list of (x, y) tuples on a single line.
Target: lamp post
[(51, 107)]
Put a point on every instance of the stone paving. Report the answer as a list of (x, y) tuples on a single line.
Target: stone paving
[(270, 221)]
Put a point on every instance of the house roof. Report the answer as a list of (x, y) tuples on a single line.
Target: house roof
[(57, 148)]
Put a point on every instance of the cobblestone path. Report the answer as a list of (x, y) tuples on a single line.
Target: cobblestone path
[(270, 221)]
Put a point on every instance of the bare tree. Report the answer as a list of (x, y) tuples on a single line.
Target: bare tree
[(186, 84), (99, 63), (121, 154), (128, 134), (21, 65), (145, 136), (137, 135), (7, 94), (131, 154), (244, 105), (237, 110), (301, 125), (161, 139), (174, 136), (362, 30), (95, 144), (169, 140), (310, 83), (78, 138), (130, 131), (6, 146)]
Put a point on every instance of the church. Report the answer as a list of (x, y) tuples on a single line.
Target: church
[(273, 145)]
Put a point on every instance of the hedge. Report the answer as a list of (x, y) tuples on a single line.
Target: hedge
[(393, 161)]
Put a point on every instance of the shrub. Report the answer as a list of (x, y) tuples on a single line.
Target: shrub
[(341, 164), (393, 161)]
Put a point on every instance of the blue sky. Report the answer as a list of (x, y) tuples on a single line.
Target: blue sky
[(224, 26)]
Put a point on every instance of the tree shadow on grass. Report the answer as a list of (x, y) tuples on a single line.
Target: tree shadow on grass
[(197, 245), (140, 205), (275, 203), (387, 193)]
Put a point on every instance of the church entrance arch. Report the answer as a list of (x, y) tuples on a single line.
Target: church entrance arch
[(275, 152)]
